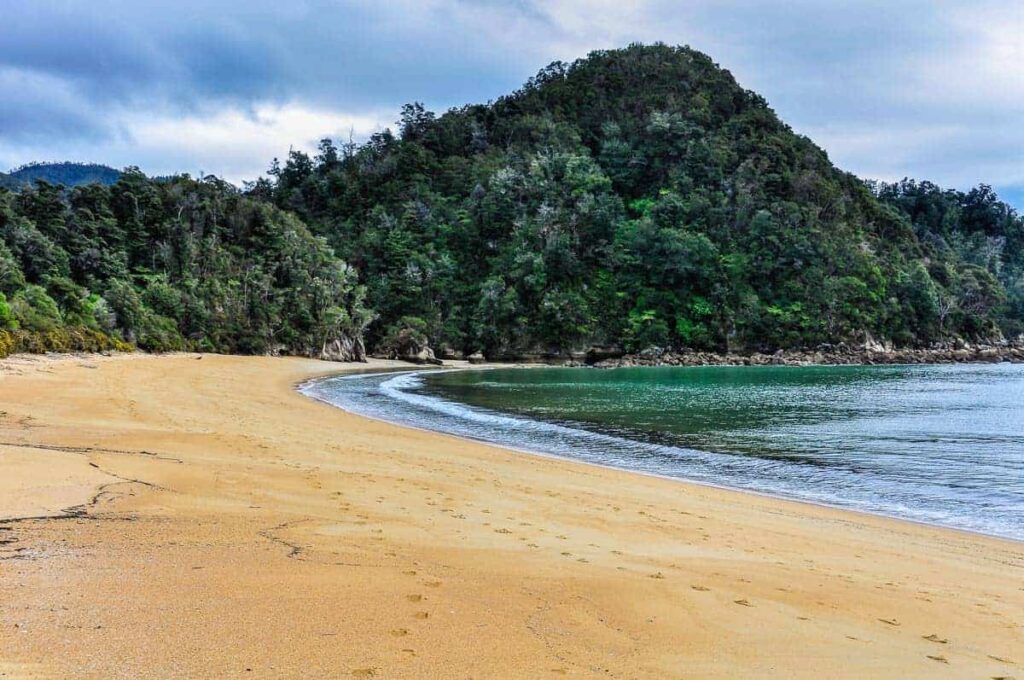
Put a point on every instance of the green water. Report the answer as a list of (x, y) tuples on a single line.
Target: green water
[(936, 443)]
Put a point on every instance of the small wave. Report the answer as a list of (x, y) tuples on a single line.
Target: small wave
[(399, 398)]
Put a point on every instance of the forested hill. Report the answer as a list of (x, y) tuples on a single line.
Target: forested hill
[(641, 197), (169, 265), (66, 173), (636, 198)]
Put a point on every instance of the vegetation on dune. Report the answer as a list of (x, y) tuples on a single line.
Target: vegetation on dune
[(635, 198)]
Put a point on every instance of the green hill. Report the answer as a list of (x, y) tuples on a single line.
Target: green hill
[(641, 197), (66, 173), (636, 198)]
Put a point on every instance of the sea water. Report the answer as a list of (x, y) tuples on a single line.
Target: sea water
[(938, 444)]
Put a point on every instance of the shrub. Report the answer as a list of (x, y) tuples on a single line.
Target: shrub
[(59, 340), (11, 278), (35, 310), (160, 334), (7, 320)]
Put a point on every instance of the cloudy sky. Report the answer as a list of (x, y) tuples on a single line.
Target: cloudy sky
[(923, 88)]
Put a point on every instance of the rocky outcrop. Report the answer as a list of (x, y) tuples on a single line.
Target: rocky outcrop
[(829, 355), (343, 348), (407, 345), (601, 353), (551, 357), (424, 355), (447, 353)]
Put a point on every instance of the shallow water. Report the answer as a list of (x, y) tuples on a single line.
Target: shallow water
[(940, 444)]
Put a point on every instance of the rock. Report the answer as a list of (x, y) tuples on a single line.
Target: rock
[(447, 353), (409, 345), (476, 358), (874, 346), (424, 356), (601, 353), (343, 349)]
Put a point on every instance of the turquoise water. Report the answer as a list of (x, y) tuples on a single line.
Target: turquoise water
[(941, 444)]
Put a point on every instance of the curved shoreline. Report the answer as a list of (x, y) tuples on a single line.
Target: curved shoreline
[(779, 496), (260, 529)]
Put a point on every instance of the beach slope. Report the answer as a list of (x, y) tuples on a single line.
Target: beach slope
[(194, 516)]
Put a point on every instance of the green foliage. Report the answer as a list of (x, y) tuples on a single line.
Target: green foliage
[(11, 277), (171, 265), (34, 310), (7, 320), (642, 197), (59, 340), (638, 197)]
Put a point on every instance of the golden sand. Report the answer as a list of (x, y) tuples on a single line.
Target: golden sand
[(197, 517)]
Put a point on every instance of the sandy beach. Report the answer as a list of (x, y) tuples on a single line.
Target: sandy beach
[(195, 516)]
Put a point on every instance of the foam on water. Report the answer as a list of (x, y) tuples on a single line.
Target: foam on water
[(865, 484)]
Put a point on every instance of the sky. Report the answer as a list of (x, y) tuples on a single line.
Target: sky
[(930, 89)]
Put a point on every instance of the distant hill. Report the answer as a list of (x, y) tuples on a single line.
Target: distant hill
[(66, 173)]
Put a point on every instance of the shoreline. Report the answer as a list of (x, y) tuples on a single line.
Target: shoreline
[(830, 355), (607, 466), (249, 527)]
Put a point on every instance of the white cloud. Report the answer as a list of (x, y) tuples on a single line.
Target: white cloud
[(235, 144), (980, 68)]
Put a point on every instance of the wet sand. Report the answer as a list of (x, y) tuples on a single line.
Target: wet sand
[(187, 516)]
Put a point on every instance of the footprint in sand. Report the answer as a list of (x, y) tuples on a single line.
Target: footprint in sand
[(940, 659), (422, 615), (743, 603), (414, 598), (700, 588), (890, 622), (400, 632), (934, 638), (365, 673)]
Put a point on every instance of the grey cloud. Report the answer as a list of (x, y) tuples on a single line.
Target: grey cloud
[(839, 65), (35, 107)]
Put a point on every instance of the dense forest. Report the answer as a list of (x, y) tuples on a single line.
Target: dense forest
[(641, 197), (635, 198), (169, 265)]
